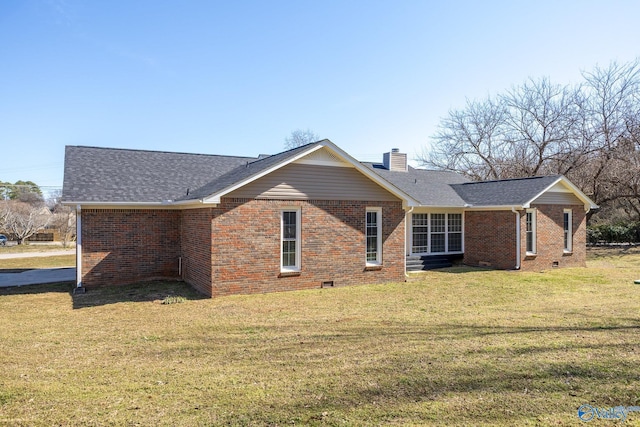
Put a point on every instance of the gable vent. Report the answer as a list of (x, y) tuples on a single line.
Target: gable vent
[(323, 157), (395, 160)]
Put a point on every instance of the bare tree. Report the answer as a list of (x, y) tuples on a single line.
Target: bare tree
[(64, 220), (22, 219), (299, 138), (590, 133), (610, 115), (470, 141), (541, 127)]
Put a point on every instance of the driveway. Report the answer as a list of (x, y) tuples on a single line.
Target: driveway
[(39, 275)]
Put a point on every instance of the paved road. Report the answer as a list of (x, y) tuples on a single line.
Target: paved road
[(39, 275)]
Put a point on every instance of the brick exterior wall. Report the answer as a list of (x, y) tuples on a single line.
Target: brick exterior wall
[(245, 246), (550, 238), (196, 248), (121, 246), (490, 239)]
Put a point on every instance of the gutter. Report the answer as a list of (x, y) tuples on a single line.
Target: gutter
[(78, 288), (518, 238), (406, 241)]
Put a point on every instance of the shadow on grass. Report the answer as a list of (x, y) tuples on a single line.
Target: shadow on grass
[(64, 287), (139, 292), (494, 384)]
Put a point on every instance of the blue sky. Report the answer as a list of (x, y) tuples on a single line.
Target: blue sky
[(236, 77)]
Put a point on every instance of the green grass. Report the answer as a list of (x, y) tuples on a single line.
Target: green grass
[(12, 249), (456, 347), (37, 262)]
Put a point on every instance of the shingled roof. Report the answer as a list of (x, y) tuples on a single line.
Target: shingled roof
[(244, 172), (113, 175), (506, 192), (94, 175), (429, 187)]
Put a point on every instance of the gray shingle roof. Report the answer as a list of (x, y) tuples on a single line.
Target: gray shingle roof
[(245, 171), (94, 174), (429, 187), (113, 175), (506, 192)]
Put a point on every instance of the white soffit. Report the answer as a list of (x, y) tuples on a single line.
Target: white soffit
[(323, 157), (560, 187)]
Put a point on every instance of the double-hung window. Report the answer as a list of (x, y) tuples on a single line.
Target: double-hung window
[(290, 238), (568, 230), (454, 236), (530, 224), (373, 236), (420, 237)]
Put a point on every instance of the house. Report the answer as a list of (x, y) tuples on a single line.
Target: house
[(306, 218)]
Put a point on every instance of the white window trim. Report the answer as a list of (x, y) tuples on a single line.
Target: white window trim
[(534, 239), (378, 260), (294, 268), (429, 252), (569, 247)]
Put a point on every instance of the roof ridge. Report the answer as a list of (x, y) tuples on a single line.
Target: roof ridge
[(259, 159), (159, 151), (510, 179)]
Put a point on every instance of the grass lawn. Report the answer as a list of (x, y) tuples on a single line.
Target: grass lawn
[(13, 264), (457, 347), (12, 249)]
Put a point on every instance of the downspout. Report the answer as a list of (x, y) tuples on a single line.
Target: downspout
[(79, 288), (406, 240), (518, 238)]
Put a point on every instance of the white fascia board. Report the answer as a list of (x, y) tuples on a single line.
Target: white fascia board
[(215, 198), (123, 205), (494, 208), (588, 203)]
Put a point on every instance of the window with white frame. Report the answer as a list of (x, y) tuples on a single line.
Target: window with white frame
[(436, 233), (438, 229), (454, 232), (290, 237), (420, 233), (373, 235), (530, 229), (568, 230)]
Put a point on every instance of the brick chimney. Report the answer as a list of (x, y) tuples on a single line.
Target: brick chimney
[(395, 160)]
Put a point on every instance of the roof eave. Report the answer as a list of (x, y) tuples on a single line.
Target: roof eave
[(167, 204), (588, 203)]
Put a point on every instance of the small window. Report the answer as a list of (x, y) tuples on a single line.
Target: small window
[(454, 235), (568, 230), (531, 231), (420, 237), (374, 236), (290, 237)]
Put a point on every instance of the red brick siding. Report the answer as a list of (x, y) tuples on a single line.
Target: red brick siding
[(196, 248), (246, 245), (126, 246), (490, 239), (550, 238)]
